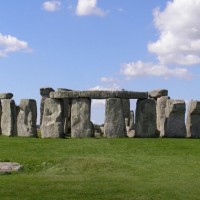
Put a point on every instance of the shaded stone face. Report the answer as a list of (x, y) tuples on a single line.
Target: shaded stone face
[(52, 122), (26, 118), (158, 93), (145, 118), (160, 109), (175, 119), (81, 125), (6, 95), (45, 93), (126, 109), (8, 118), (114, 125), (193, 119)]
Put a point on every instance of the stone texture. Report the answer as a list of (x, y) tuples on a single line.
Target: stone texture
[(114, 125), (8, 118), (0, 117), (160, 109), (193, 119), (175, 119), (145, 118), (158, 93), (126, 109), (44, 92), (26, 118), (7, 167), (99, 94), (6, 95), (52, 122), (81, 125)]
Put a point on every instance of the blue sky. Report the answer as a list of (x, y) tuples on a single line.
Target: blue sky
[(100, 44)]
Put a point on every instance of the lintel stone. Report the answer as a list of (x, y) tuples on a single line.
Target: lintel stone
[(97, 94), (6, 95)]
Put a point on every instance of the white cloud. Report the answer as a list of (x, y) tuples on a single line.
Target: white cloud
[(107, 79), (51, 6), (139, 68), (89, 7), (179, 27), (9, 44), (113, 87), (96, 103)]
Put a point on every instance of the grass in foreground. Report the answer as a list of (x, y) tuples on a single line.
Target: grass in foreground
[(138, 169)]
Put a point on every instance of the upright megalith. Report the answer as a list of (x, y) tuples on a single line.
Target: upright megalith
[(145, 118), (8, 118), (126, 109), (160, 110), (45, 93), (81, 125), (193, 119), (114, 125), (66, 104), (52, 121), (26, 118), (175, 119)]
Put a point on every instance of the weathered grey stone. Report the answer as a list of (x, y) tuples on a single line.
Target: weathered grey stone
[(99, 94), (126, 109), (44, 92), (114, 125), (0, 117), (97, 130), (81, 125), (175, 119), (26, 118), (145, 118), (8, 118), (158, 93), (52, 122), (193, 119), (63, 89), (65, 115), (6, 95), (160, 109), (6, 167)]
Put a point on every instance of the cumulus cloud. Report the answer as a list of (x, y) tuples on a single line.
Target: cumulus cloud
[(9, 44), (51, 6), (178, 44), (179, 28), (139, 68), (89, 7), (113, 87)]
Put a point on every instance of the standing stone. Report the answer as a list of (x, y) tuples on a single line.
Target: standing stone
[(126, 109), (8, 118), (45, 93), (0, 117), (131, 128), (145, 118), (175, 119), (81, 125), (26, 118), (52, 122), (160, 109), (193, 119), (114, 120)]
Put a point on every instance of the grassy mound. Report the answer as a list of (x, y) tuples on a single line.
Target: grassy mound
[(140, 169)]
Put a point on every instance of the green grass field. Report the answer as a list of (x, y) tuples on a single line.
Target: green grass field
[(93, 169)]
